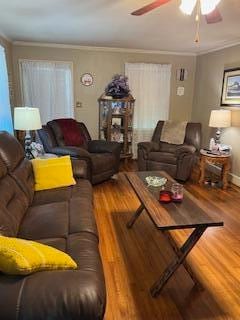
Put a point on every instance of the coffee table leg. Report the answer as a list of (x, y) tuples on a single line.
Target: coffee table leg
[(179, 253), (135, 216), (175, 264)]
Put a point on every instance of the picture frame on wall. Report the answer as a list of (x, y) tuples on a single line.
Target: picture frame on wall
[(87, 79), (231, 87)]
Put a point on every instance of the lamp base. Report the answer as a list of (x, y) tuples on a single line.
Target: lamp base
[(217, 136), (28, 140)]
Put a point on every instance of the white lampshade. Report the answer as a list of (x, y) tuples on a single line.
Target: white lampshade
[(207, 6), (235, 118), (220, 119), (187, 6), (26, 118)]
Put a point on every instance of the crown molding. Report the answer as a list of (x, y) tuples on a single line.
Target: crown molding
[(224, 46), (106, 49), (2, 35)]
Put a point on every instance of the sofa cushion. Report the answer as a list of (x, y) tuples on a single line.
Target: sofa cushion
[(60, 212), (168, 147), (82, 189), (65, 295), (45, 221), (70, 294), (164, 157)]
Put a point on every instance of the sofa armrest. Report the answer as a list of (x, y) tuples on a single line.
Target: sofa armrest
[(148, 146), (101, 146), (185, 149)]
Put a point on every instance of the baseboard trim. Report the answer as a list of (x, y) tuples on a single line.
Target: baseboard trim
[(232, 177)]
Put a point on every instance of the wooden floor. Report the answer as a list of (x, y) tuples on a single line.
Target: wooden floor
[(134, 259)]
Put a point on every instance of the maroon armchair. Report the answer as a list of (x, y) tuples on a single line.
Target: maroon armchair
[(176, 160), (101, 158)]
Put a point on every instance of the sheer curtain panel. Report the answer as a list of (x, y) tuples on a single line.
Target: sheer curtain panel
[(5, 109), (48, 86), (150, 86)]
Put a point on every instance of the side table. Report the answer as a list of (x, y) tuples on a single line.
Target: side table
[(223, 160)]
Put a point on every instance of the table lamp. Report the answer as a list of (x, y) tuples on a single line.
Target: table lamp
[(219, 119), (27, 119)]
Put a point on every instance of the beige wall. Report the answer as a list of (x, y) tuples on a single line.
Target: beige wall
[(208, 87), (103, 65)]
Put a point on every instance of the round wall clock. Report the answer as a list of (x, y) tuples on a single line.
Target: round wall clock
[(87, 79)]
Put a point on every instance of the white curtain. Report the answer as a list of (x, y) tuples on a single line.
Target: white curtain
[(5, 109), (150, 86), (48, 86)]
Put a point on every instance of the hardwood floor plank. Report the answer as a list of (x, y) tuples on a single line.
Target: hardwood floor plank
[(134, 259)]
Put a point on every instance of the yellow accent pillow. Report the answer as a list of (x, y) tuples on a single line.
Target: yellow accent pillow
[(19, 256), (53, 173)]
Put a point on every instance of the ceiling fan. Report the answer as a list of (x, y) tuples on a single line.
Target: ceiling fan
[(208, 8)]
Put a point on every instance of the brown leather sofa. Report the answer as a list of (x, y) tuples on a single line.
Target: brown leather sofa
[(62, 218), (176, 160), (102, 157)]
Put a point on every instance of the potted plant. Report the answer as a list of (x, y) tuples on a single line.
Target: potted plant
[(118, 88)]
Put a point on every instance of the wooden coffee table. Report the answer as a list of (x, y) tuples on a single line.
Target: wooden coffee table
[(188, 214)]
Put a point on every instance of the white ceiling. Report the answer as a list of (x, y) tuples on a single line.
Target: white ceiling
[(108, 23)]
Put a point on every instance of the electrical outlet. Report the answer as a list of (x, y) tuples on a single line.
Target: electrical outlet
[(78, 104)]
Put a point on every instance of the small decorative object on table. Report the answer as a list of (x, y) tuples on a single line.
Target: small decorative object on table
[(37, 149), (156, 181), (118, 87), (177, 192), (165, 196)]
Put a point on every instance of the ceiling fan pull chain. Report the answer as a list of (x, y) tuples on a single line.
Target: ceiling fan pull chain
[(197, 36)]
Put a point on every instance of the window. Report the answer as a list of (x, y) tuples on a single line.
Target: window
[(5, 109), (48, 86), (150, 86)]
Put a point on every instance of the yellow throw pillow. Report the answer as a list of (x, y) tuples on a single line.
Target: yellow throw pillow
[(21, 257), (53, 173)]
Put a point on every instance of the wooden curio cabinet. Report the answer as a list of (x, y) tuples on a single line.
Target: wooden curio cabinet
[(116, 122)]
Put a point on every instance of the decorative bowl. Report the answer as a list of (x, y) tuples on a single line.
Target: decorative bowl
[(155, 181)]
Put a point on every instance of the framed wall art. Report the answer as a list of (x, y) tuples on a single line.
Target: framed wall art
[(231, 88), (87, 79)]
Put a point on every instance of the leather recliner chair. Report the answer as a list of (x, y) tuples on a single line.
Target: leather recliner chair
[(176, 160), (102, 157)]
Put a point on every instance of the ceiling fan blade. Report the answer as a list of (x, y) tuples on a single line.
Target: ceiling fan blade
[(214, 16), (149, 7)]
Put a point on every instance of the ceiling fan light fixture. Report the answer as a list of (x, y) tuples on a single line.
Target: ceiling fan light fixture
[(207, 6), (187, 6)]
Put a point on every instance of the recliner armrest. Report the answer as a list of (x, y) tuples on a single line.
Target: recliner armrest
[(80, 169), (101, 146), (75, 152), (149, 146), (81, 160), (185, 149)]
